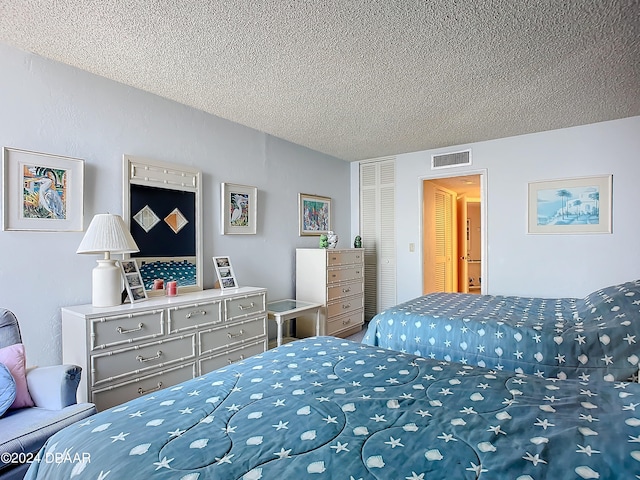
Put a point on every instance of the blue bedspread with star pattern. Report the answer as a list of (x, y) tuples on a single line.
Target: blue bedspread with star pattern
[(327, 408), (566, 337)]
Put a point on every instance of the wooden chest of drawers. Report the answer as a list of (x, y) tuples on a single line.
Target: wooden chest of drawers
[(335, 278), (133, 349)]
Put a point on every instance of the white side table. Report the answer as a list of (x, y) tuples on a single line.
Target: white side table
[(283, 310)]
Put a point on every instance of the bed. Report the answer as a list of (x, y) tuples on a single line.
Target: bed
[(330, 408), (564, 337)]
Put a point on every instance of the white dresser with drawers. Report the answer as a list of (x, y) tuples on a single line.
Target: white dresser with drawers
[(133, 349), (334, 278)]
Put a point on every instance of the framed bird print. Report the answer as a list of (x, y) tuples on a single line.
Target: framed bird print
[(239, 209), (42, 192)]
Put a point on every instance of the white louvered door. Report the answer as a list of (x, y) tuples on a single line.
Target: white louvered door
[(378, 231)]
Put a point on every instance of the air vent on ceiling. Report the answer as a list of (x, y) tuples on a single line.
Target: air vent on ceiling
[(453, 159)]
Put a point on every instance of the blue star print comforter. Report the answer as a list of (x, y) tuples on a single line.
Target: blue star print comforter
[(567, 337), (326, 408)]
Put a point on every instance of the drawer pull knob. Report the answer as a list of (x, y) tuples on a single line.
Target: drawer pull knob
[(157, 387), (345, 306), (125, 331), (141, 359), (196, 312), (244, 307), (234, 361), (234, 335), (346, 322), (346, 290)]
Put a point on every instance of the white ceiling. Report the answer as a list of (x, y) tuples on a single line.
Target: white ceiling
[(357, 79)]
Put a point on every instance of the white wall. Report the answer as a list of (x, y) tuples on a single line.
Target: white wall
[(49, 107), (535, 265)]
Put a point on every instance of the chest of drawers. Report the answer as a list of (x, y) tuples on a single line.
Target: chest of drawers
[(335, 278), (133, 349)]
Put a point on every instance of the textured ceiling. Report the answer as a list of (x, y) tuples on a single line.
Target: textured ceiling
[(357, 79)]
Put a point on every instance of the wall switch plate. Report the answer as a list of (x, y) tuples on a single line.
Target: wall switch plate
[(412, 247)]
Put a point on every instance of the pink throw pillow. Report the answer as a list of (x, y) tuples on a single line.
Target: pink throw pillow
[(13, 357)]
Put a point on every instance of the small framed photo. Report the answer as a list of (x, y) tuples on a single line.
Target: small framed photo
[(224, 271), (133, 280), (42, 192), (569, 206), (239, 209), (314, 214)]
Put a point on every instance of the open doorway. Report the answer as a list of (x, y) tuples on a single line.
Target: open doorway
[(453, 252)]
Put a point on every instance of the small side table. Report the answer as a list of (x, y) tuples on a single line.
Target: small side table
[(283, 310)]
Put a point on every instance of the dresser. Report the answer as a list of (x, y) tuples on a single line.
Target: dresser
[(334, 278), (133, 349)]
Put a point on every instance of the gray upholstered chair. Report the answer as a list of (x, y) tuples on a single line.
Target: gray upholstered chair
[(53, 390)]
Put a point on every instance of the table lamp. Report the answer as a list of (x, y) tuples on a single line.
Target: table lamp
[(107, 234)]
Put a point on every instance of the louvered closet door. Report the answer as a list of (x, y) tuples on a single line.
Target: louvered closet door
[(377, 227)]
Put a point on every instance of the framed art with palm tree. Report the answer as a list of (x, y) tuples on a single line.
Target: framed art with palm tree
[(42, 191), (239, 208), (574, 205)]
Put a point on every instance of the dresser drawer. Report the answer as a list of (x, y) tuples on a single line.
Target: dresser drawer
[(227, 335), (341, 291), (344, 257), (344, 322), (109, 366), (344, 306), (136, 387), (194, 316), (344, 274), (241, 307), (110, 331), (208, 364)]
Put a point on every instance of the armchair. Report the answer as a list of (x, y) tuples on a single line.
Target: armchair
[(23, 431)]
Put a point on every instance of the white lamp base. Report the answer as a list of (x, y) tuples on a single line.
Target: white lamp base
[(106, 290)]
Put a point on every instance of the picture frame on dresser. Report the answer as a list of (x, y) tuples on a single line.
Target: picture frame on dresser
[(314, 214), (133, 281), (224, 272)]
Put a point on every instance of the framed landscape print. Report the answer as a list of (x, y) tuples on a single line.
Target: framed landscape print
[(575, 205), (239, 209), (314, 214), (42, 192)]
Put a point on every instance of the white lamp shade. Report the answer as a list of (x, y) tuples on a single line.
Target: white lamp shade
[(107, 233)]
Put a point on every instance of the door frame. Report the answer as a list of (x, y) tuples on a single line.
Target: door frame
[(483, 216)]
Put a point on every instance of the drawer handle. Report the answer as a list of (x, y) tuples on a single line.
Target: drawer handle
[(346, 305), (234, 361), (244, 307), (141, 359), (234, 335), (196, 312), (333, 275), (157, 387), (346, 322), (346, 290), (124, 331)]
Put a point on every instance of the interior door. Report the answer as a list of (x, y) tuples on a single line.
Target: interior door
[(463, 245), (440, 272)]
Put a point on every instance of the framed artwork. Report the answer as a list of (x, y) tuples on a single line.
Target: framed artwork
[(314, 214), (574, 205), (163, 208), (224, 271), (239, 209), (133, 281), (42, 192)]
